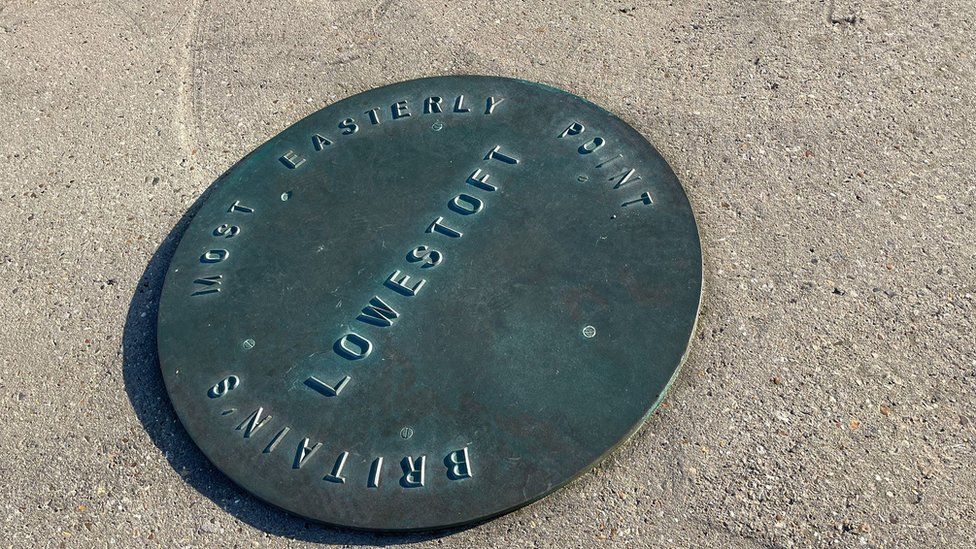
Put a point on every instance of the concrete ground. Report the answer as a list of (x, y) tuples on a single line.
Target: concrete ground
[(827, 147)]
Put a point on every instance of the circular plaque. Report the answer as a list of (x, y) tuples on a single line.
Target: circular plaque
[(430, 303)]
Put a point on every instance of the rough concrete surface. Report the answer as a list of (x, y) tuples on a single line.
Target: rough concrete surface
[(827, 149)]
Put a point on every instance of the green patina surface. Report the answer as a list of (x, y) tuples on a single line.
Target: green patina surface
[(430, 303)]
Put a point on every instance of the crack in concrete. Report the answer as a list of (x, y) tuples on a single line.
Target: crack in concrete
[(185, 119)]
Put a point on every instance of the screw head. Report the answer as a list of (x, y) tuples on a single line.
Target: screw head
[(406, 433), (248, 344), (582, 179), (437, 126), (589, 332), (285, 196)]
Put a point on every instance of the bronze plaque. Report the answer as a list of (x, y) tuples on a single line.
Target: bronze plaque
[(430, 303)]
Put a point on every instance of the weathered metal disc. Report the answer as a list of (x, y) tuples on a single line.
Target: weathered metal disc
[(430, 303)]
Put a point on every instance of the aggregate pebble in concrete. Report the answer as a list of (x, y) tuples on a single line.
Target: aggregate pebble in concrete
[(827, 148)]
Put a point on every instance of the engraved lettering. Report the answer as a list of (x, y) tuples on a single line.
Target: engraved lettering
[(348, 126), (592, 145), (238, 207), (374, 473), (480, 181), (500, 156), (336, 474), (573, 129), (353, 346), (465, 204), (432, 105), (214, 256), (378, 313), (439, 227), (221, 388), (304, 452), (605, 162), (624, 178), (253, 422), (291, 160), (400, 110), (227, 231), (374, 115), (413, 472), (491, 103), (398, 283), (320, 142), (276, 440), (210, 284), (326, 389), (431, 258), (458, 464), (459, 105), (645, 198)]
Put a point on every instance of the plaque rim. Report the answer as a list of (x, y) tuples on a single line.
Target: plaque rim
[(212, 188)]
